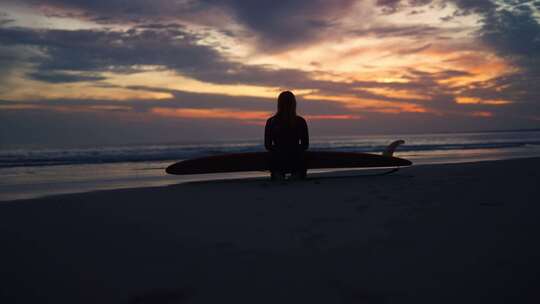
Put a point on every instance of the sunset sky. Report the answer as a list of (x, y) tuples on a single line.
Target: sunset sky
[(78, 72)]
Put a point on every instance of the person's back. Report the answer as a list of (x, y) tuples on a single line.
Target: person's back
[(286, 137)]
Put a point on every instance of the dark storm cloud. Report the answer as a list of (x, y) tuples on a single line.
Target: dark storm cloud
[(464, 7), (109, 11), (101, 50), (124, 52), (392, 6), (413, 31), (514, 34), (280, 24), (512, 31), (57, 77), (474, 6), (441, 75)]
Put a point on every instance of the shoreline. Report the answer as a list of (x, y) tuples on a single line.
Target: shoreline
[(172, 180), (428, 234)]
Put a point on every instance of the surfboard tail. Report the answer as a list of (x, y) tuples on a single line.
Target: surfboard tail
[(389, 151)]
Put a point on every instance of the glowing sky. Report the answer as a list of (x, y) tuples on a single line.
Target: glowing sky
[(96, 71)]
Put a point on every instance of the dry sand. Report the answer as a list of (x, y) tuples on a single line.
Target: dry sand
[(460, 233)]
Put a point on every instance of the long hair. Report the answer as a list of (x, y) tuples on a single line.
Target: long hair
[(286, 108)]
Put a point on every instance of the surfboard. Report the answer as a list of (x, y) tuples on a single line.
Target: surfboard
[(259, 161)]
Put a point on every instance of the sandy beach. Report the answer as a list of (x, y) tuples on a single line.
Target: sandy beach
[(456, 233)]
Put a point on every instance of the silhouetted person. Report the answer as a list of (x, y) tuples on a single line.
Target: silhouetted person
[(286, 137)]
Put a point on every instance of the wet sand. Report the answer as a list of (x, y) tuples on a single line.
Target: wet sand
[(457, 233)]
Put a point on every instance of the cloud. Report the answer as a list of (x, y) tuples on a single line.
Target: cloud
[(8, 61), (127, 51), (282, 24), (109, 11), (185, 100), (514, 34), (412, 31), (474, 6), (274, 25), (414, 50), (511, 30), (82, 55), (157, 35), (464, 6), (58, 77), (56, 128), (4, 19), (98, 51), (107, 50)]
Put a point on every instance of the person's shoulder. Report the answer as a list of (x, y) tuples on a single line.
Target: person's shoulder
[(271, 119), (300, 119)]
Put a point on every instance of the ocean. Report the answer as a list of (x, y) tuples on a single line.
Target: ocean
[(33, 172)]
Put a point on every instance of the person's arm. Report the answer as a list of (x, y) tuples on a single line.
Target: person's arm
[(268, 137), (304, 135)]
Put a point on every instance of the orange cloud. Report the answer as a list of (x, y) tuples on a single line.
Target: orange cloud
[(211, 113), (404, 94), (372, 105), (67, 108), (15, 107), (387, 107), (484, 114), (332, 117), (110, 108), (476, 100), (252, 117)]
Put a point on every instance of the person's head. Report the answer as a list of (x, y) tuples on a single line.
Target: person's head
[(286, 108)]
